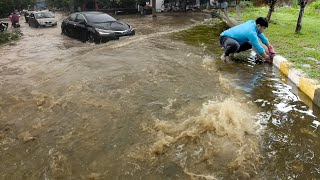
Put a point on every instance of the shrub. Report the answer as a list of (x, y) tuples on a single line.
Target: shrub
[(9, 36), (315, 4)]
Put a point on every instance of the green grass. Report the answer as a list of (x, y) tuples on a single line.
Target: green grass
[(300, 49)]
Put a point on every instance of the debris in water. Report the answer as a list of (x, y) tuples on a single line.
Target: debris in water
[(26, 137)]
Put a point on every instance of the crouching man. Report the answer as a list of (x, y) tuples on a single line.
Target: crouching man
[(244, 37)]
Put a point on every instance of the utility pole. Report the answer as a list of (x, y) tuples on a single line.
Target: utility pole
[(154, 8)]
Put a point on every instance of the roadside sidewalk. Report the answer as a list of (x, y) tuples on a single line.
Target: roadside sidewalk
[(308, 86)]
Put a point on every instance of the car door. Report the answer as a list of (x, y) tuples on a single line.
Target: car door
[(80, 27), (69, 24)]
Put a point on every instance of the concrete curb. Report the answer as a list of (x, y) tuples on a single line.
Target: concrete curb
[(308, 86)]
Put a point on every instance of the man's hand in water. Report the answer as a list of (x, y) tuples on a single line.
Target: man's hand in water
[(271, 50), (268, 59)]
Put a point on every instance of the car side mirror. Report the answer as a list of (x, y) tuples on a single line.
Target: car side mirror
[(83, 22)]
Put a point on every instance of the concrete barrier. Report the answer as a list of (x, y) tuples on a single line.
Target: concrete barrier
[(307, 85)]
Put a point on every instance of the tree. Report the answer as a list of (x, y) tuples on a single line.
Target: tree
[(272, 4), (302, 4), (8, 6)]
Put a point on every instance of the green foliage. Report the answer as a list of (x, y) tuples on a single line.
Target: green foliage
[(8, 6), (247, 4), (7, 37), (295, 3), (315, 5), (127, 3), (311, 11)]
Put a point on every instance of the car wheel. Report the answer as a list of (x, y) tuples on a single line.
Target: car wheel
[(64, 31), (91, 38)]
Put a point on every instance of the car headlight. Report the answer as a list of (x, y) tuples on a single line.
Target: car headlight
[(41, 22), (104, 31)]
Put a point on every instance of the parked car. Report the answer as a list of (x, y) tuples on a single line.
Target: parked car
[(95, 27), (41, 19)]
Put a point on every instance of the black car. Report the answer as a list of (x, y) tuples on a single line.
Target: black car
[(95, 27)]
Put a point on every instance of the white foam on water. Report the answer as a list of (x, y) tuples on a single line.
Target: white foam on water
[(224, 135)]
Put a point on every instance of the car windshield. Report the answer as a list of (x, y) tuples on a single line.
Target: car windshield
[(41, 15), (99, 18)]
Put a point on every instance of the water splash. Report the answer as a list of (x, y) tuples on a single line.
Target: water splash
[(222, 141)]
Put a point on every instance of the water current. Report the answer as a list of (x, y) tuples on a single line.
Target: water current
[(157, 105)]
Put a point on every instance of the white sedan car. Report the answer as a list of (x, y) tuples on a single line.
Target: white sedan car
[(42, 19)]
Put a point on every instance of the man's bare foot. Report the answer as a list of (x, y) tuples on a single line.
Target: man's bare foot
[(224, 57)]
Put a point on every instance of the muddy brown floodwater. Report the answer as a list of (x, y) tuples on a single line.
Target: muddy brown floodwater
[(149, 106)]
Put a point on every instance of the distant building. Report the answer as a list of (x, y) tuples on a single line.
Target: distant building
[(40, 4)]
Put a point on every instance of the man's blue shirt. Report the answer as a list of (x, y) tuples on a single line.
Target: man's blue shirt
[(245, 32)]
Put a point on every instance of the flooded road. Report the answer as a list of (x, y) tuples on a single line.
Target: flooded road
[(157, 105)]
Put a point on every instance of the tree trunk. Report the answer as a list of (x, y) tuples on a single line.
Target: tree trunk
[(303, 4), (154, 8), (269, 14), (271, 9), (299, 27)]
